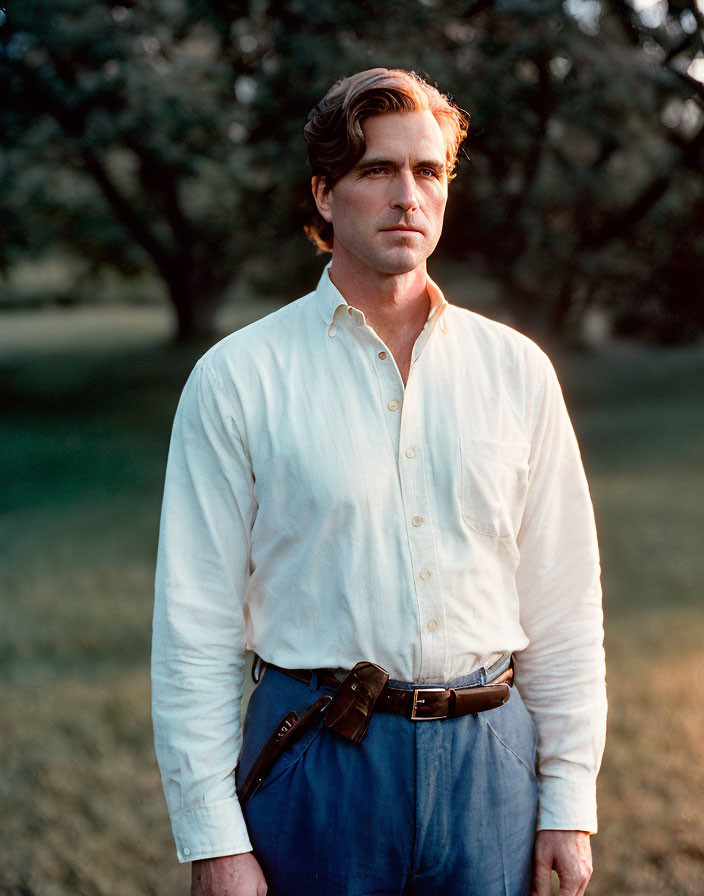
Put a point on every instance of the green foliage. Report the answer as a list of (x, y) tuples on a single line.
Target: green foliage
[(169, 135)]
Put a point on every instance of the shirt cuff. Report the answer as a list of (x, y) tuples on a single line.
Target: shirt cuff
[(567, 806), (205, 832)]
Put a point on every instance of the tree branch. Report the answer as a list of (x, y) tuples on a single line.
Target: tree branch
[(619, 223), (72, 122)]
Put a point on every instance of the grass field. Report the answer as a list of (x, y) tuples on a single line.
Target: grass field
[(87, 401)]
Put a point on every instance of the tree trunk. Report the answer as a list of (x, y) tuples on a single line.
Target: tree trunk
[(195, 310), (561, 307)]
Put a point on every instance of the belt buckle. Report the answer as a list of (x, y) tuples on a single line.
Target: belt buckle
[(415, 717)]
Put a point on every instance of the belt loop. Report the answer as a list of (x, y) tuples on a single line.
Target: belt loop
[(451, 704), (314, 680), (482, 673)]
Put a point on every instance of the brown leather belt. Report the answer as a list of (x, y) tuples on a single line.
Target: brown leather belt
[(424, 703), (364, 691)]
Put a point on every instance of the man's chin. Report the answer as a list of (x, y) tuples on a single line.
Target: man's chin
[(401, 262), (387, 261)]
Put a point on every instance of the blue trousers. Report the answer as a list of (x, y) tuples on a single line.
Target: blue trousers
[(424, 808)]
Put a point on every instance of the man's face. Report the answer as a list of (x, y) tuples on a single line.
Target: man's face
[(387, 211)]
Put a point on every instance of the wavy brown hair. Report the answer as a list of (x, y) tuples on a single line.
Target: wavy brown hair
[(334, 132)]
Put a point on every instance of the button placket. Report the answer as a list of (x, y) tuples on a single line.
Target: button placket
[(392, 392), (420, 532)]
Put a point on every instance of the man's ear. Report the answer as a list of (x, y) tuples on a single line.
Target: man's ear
[(322, 196)]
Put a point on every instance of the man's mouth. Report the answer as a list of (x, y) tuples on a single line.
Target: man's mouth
[(401, 228)]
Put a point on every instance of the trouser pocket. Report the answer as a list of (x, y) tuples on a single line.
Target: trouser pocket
[(283, 718), (289, 731)]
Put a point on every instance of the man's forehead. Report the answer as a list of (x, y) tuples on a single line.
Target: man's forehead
[(404, 133)]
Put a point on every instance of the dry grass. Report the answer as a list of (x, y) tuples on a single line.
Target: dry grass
[(85, 431), (651, 839)]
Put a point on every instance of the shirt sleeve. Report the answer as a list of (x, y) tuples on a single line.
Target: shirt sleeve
[(198, 651), (561, 674)]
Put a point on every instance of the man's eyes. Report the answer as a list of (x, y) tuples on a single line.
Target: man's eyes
[(424, 172)]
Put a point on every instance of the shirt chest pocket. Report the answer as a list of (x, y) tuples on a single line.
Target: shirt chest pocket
[(493, 485)]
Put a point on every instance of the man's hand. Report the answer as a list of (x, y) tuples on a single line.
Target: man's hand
[(570, 854), (237, 875)]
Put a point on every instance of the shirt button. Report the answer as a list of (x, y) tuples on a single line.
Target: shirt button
[(186, 851), (424, 574), (332, 329), (394, 404), (417, 521), (382, 355), (410, 452), (432, 625)]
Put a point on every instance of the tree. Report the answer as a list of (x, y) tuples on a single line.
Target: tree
[(121, 141)]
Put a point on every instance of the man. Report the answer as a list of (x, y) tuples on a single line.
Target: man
[(372, 482)]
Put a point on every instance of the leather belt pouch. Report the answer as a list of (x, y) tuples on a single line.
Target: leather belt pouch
[(351, 708)]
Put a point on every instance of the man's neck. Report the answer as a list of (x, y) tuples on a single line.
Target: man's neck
[(396, 306), (393, 304)]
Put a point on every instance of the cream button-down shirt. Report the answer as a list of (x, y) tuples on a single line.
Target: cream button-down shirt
[(318, 512)]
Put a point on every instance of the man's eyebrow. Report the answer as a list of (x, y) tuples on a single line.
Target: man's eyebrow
[(431, 163), (375, 162)]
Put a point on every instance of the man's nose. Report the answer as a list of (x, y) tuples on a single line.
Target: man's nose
[(404, 194)]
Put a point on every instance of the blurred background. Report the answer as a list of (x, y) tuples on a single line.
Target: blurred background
[(153, 188)]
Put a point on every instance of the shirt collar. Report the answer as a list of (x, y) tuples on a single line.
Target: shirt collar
[(329, 299), (438, 305)]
